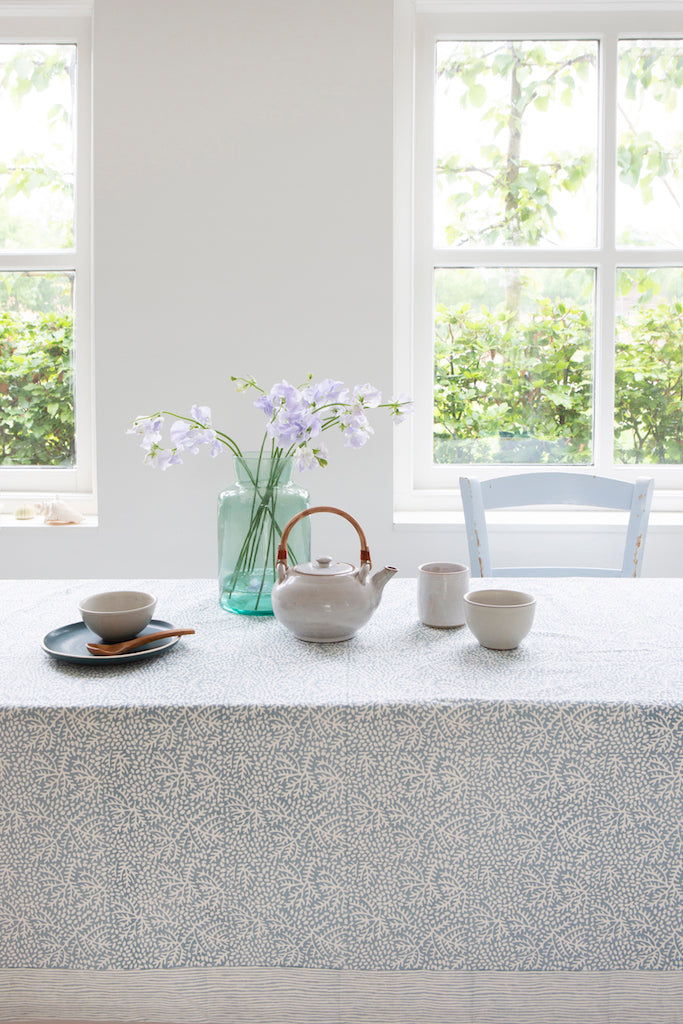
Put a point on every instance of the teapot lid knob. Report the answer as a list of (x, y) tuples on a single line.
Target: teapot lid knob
[(323, 561)]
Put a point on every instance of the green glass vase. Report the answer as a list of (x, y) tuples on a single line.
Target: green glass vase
[(251, 517)]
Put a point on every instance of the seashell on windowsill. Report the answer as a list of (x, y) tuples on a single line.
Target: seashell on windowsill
[(57, 513), (25, 512)]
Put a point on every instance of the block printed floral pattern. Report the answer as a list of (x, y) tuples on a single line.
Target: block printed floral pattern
[(463, 835)]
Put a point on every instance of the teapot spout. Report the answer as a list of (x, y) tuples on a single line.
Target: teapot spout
[(380, 579)]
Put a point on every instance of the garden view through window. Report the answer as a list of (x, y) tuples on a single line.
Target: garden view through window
[(537, 248), (37, 278)]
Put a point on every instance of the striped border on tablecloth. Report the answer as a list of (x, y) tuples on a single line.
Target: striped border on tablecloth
[(308, 996)]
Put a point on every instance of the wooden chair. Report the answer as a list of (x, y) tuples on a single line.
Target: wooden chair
[(555, 489)]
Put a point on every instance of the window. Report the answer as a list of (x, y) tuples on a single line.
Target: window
[(545, 165), (45, 387)]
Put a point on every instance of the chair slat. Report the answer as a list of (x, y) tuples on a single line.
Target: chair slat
[(529, 489)]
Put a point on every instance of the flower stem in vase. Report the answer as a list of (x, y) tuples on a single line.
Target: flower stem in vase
[(251, 516)]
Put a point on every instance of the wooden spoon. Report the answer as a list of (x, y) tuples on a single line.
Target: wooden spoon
[(137, 641)]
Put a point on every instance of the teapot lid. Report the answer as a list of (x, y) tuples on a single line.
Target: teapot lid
[(325, 565)]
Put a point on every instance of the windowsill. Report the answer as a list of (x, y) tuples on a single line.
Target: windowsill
[(7, 519), (545, 519)]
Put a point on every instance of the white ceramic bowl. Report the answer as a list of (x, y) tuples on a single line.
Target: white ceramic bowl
[(500, 619), (117, 614)]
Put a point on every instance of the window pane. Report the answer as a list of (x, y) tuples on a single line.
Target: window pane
[(515, 143), (650, 143), (648, 415), (36, 146), (513, 366), (36, 378)]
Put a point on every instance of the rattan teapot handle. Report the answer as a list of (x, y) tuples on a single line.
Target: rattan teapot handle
[(282, 550)]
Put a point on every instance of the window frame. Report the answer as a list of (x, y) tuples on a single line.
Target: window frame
[(62, 23), (419, 484)]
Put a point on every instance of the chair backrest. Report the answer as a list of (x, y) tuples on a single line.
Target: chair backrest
[(555, 489)]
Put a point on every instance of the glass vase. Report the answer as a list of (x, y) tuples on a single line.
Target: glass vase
[(251, 517)]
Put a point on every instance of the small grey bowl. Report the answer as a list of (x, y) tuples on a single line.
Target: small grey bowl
[(117, 614)]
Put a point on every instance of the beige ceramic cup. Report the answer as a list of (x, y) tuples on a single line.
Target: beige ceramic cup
[(500, 619), (441, 587), (117, 614)]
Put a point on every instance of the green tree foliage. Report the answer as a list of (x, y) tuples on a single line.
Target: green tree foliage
[(511, 388), (29, 69), (524, 189), (36, 388), (649, 384)]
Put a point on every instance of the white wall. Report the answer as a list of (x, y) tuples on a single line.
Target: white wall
[(243, 225)]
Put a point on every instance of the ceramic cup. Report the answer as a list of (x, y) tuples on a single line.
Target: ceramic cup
[(500, 619), (441, 587), (117, 614)]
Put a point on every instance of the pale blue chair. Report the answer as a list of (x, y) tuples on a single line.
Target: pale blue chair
[(555, 489)]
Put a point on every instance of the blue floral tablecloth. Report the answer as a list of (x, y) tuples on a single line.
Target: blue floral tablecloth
[(403, 801)]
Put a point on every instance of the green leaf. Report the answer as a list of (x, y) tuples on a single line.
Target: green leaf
[(477, 95)]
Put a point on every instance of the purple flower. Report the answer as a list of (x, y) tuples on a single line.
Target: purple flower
[(186, 436), (356, 428), (307, 457), (295, 425), (326, 392), (296, 417), (287, 429), (400, 407), (285, 394), (201, 413), (149, 427), (282, 396), (367, 396), (265, 402), (162, 458), (180, 432)]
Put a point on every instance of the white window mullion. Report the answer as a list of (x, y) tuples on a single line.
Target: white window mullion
[(605, 305), (84, 419), (424, 254)]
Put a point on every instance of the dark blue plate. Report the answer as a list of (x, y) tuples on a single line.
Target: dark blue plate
[(68, 644)]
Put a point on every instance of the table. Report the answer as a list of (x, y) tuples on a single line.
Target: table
[(403, 827)]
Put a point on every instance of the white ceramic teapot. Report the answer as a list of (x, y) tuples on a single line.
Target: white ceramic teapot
[(324, 601)]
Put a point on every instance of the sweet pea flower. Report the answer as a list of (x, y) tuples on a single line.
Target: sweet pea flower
[(357, 430), (296, 416), (201, 413), (286, 429), (307, 457), (265, 403), (326, 392), (149, 427), (285, 394), (187, 436), (215, 445), (400, 407), (367, 396), (294, 426), (162, 458), (180, 433)]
